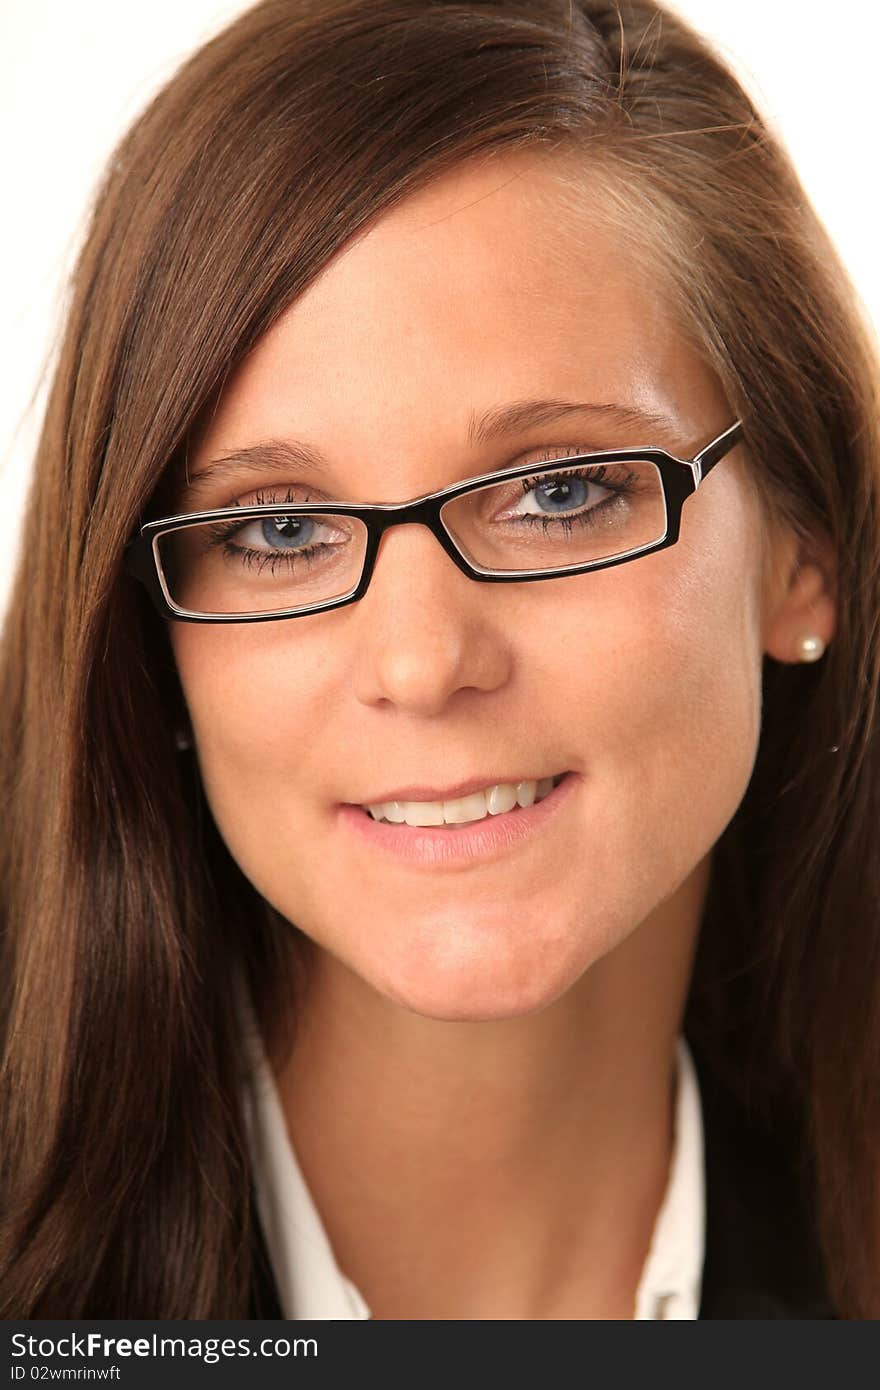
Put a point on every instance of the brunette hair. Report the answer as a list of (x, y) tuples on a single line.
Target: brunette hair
[(125, 1187)]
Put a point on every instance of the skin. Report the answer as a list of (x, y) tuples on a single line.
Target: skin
[(494, 1043)]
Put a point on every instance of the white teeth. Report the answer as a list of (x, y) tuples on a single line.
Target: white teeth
[(423, 812), (526, 792), (501, 798), (465, 808), (493, 801)]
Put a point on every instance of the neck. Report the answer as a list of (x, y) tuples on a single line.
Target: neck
[(504, 1169)]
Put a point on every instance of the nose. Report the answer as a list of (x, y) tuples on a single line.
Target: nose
[(425, 630)]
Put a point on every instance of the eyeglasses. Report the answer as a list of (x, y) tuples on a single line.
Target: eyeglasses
[(545, 521)]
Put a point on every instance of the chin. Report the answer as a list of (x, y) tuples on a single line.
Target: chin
[(483, 985)]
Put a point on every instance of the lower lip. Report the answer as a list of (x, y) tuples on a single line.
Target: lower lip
[(479, 840)]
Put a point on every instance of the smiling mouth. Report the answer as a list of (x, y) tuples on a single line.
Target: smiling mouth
[(461, 812)]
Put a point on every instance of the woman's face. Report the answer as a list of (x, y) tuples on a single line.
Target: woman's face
[(643, 680)]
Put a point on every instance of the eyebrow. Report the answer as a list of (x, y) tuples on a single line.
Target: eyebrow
[(493, 424)]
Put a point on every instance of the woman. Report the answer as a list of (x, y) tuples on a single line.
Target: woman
[(356, 909)]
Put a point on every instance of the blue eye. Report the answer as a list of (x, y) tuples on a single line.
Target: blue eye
[(285, 532), (560, 492)]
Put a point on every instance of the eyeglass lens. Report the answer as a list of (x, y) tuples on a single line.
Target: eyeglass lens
[(281, 562)]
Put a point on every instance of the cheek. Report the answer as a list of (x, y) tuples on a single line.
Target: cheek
[(680, 693), (258, 704)]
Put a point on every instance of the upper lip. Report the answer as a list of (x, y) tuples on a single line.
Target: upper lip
[(425, 793)]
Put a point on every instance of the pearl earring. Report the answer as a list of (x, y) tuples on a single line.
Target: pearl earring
[(811, 648), (182, 740)]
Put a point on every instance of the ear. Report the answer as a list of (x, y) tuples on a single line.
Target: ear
[(800, 597)]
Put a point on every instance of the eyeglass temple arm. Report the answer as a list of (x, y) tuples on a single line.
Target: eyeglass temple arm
[(707, 458)]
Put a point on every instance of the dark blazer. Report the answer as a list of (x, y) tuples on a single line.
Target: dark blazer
[(761, 1259)]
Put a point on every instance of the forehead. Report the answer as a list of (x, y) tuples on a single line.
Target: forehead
[(496, 282)]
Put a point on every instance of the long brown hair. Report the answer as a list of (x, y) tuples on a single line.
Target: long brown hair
[(124, 1186)]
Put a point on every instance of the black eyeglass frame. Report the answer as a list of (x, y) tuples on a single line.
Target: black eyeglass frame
[(679, 477)]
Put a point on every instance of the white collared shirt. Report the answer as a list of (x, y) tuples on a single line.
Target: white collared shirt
[(310, 1283)]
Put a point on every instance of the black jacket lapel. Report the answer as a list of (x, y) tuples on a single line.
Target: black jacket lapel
[(265, 1302), (762, 1258)]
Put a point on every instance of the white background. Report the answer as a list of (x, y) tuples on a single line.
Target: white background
[(73, 74)]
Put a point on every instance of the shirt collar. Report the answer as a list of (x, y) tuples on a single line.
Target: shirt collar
[(673, 1271), (310, 1283)]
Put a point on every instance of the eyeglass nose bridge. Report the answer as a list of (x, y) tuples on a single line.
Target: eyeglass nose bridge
[(423, 512)]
